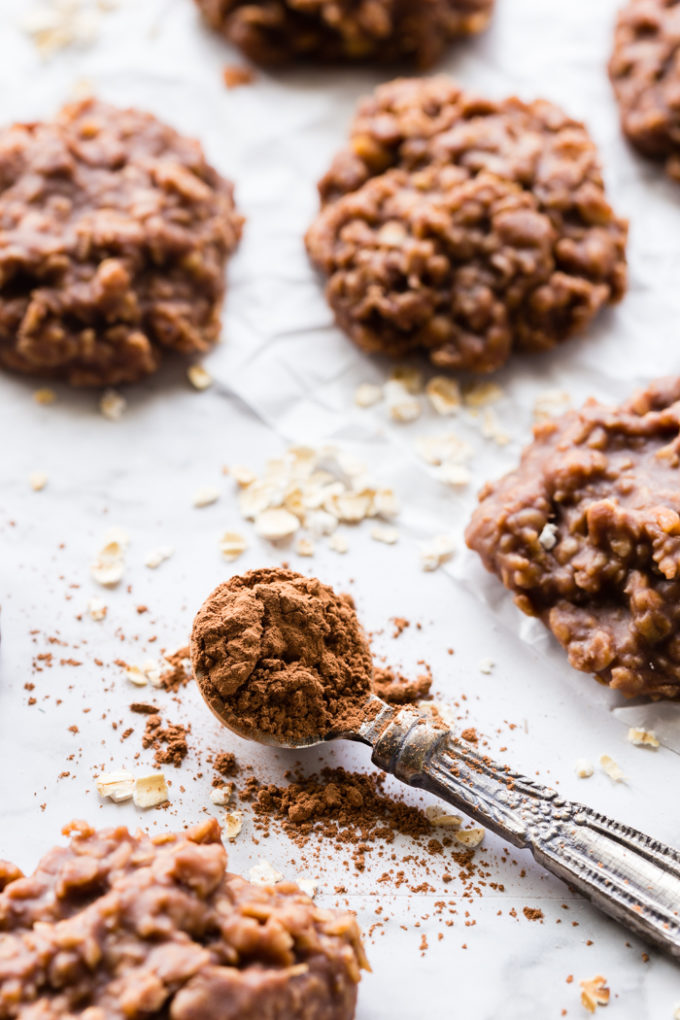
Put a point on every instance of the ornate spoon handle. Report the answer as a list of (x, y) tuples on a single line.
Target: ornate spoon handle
[(632, 877)]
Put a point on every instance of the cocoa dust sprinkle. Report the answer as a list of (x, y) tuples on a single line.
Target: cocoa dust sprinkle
[(169, 742)]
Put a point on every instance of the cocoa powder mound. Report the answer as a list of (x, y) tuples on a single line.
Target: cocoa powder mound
[(280, 655)]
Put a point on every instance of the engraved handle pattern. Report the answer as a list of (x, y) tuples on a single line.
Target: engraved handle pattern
[(632, 877)]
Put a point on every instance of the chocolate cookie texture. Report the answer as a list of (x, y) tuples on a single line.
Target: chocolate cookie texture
[(121, 927), (280, 655), (586, 533), (645, 71), (114, 235), (272, 32), (465, 227)]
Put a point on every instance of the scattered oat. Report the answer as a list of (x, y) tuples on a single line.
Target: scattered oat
[(117, 786), (97, 609), (408, 377), (233, 823), (109, 564), (221, 795), (150, 791), (148, 673), (643, 738), (308, 886), (276, 524), (548, 537), (385, 504), (454, 474), (470, 837), (232, 544), (45, 397), (321, 522), (263, 873), (401, 404), (491, 429), (443, 448), (486, 666), (584, 768), (338, 543), (594, 993), (443, 819), (243, 476), (63, 23), (482, 394), (206, 496), (367, 394), (550, 404), (384, 533), (199, 377), (112, 405), (304, 547), (436, 551), (444, 394), (613, 770), (37, 480), (155, 557)]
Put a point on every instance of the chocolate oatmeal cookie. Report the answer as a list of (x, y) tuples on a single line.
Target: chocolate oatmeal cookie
[(465, 227), (586, 533), (273, 32), (114, 235), (121, 927), (645, 72)]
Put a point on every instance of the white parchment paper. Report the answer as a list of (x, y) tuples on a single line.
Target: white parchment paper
[(285, 374)]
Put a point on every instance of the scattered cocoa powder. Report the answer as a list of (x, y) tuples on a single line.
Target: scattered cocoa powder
[(532, 913), (393, 687), (280, 655), (169, 742), (234, 76), (225, 763), (179, 673)]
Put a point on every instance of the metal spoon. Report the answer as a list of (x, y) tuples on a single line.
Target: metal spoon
[(630, 876)]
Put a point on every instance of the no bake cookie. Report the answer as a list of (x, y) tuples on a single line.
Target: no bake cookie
[(272, 32), (465, 227), (586, 534), (114, 235), (123, 927), (645, 72)]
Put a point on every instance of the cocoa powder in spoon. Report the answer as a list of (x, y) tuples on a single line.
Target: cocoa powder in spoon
[(282, 655)]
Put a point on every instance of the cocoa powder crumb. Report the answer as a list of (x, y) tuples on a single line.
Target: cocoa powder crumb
[(169, 743), (532, 913), (225, 763), (393, 687), (179, 673)]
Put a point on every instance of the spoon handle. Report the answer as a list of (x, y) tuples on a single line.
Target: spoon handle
[(630, 876)]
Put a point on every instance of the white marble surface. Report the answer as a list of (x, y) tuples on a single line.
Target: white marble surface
[(284, 373)]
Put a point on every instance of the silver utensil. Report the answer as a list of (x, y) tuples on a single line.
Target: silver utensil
[(630, 876)]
